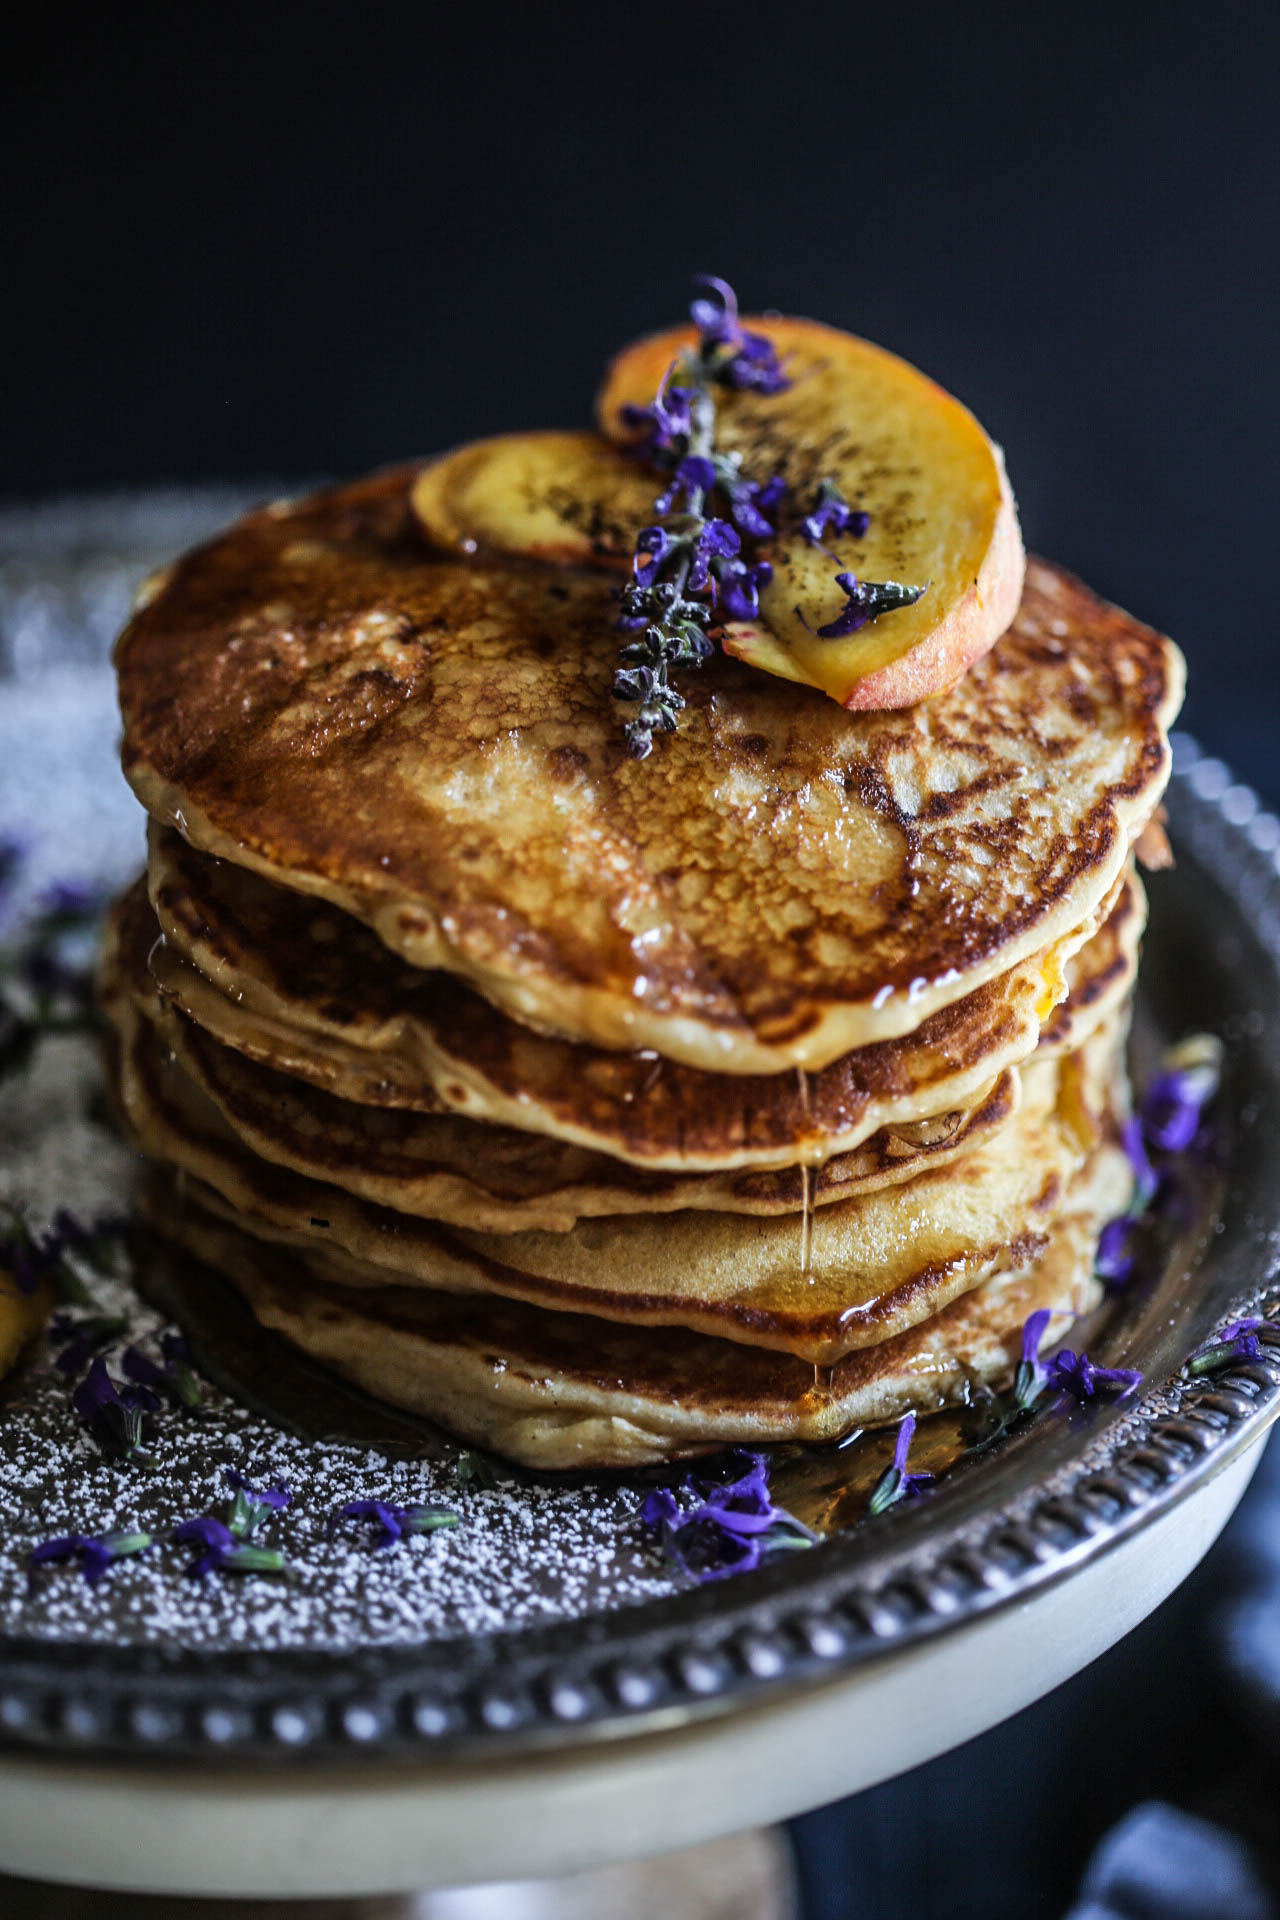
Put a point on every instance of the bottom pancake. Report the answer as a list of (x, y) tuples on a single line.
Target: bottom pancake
[(569, 1390)]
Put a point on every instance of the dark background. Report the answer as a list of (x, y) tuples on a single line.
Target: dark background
[(243, 244)]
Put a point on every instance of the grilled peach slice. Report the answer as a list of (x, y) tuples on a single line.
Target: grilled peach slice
[(568, 498), (906, 453)]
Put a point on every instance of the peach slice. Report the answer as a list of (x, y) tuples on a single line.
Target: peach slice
[(905, 452), (568, 498)]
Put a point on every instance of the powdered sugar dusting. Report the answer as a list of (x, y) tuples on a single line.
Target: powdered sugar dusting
[(524, 1552)]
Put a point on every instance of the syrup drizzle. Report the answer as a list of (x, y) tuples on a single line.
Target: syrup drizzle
[(806, 1186)]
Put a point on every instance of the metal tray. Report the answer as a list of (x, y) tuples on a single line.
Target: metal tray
[(1001, 1527)]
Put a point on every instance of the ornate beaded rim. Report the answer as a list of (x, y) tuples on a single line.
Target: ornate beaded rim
[(1014, 1522)]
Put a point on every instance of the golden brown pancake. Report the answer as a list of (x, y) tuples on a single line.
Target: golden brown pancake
[(498, 1178), (433, 746), (877, 1262), (1100, 977), (303, 988), (458, 1171), (559, 1390)]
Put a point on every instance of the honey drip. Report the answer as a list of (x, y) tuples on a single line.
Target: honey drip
[(806, 1184)]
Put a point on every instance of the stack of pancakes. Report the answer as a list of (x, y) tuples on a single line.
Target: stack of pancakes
[(609, 1110)]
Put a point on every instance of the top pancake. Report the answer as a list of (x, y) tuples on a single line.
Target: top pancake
[(433, 746)]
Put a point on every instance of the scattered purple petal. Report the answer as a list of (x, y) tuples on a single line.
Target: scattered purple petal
[(740, 587), (1174, 1104), (113, 1417), (251, 1505), (96, 1554), (832, 517), (866, 600), (1146, 1179), (392, 1523), (1077, 1375), (895, 1483), (220, 1550), (1238, 1341), (735, 1527), (1116, 1259)]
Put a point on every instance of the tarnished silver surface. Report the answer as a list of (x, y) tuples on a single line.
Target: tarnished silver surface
[(1002, 1526)]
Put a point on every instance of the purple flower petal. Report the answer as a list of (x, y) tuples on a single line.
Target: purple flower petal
[(273, 1497), (393, 1522), (1079, 1376), (716, 319), (740, 587), (832, 516), (895, 1483), (660, 1509), (733, 1529), (1174, 1104), (96, 1393), (866, 600), (1170, 1116), (902, 1445), (96, 1555), (652, 546), (755, 367), (216, 1540), (1116, 1261), (1033, 1333), (1146, 1179), (64, 1548)]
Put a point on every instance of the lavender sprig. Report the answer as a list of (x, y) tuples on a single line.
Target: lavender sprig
[(689, 568), (733, 1528), (691, 562), (683, 564)]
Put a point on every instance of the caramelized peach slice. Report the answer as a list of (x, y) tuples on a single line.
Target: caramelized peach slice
[(903, 451), (568, 498)]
